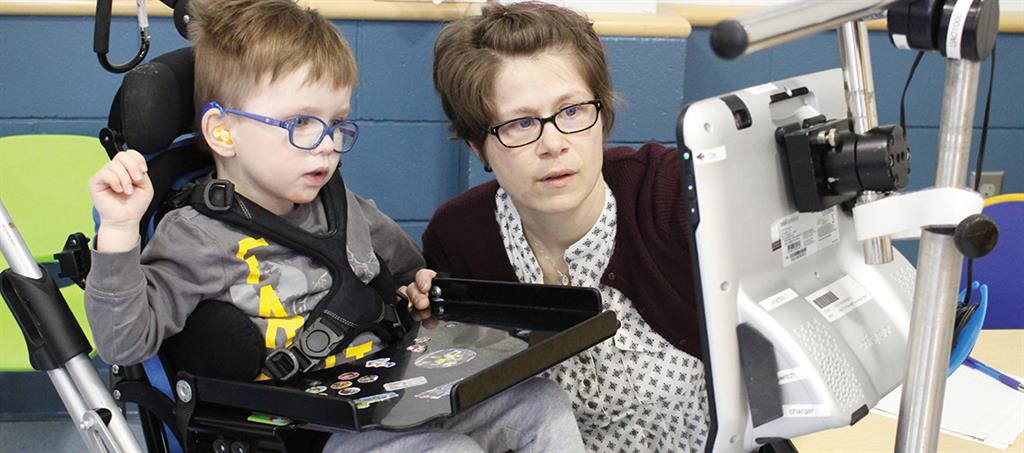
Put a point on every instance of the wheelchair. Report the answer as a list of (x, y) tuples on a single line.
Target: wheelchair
[(186, 407)]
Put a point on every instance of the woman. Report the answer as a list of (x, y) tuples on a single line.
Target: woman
[(527, 87)]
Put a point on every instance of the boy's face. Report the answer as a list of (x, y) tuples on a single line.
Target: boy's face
[(261, 161)]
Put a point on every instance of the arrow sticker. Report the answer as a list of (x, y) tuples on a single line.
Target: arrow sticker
[(707, 156)]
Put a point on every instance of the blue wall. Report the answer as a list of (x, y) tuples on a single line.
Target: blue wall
[(50, 82)]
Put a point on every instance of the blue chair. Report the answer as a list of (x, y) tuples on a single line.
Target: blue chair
[(1001, 269)]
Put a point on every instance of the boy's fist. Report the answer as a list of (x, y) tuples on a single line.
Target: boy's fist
[(121, 193)]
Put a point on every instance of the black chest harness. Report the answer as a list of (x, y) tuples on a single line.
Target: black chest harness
[(350, 307)]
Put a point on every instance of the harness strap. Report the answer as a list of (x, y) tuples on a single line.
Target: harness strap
[(350, 307)]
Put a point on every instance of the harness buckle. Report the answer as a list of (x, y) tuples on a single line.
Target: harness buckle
[(319, 339), (218, 195), (282, 364)]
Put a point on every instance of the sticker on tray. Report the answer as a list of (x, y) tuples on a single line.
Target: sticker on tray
[(438, 392), (384, 362), (366, 401), (405, 383), (416, 348), (446, 358), (348, 391), (348, 376)]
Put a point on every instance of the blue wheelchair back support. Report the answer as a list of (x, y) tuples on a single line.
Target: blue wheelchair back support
[(155, 369), (158, 379)]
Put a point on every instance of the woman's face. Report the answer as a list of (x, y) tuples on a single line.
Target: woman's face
[(559, 172)]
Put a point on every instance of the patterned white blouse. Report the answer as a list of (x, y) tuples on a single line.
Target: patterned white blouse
[(633, 392)]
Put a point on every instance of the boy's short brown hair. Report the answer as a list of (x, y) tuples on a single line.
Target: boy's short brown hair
[(237, 42), (469, 52)]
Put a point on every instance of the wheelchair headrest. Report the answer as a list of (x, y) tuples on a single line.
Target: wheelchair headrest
[(153, 107), (150, 111)]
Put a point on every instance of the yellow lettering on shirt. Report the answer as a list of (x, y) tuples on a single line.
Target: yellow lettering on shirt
[(290, 325), (271, 307), (243, 249), (270, 304), (359, 350)]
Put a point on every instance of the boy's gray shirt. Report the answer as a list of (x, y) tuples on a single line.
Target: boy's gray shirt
[(134, 302)]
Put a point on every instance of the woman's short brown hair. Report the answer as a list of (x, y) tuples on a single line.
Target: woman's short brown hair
[(237, 42), (469, 52)]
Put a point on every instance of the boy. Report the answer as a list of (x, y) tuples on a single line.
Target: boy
[(272, 89)]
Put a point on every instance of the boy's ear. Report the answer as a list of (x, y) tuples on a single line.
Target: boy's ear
[(217, 133)]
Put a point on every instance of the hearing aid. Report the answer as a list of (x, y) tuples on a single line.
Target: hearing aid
[(222, 135)]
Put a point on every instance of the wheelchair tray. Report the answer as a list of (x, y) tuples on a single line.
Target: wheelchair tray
[(484, 337)]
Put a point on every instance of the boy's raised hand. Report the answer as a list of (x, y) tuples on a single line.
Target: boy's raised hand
[(121, 191)]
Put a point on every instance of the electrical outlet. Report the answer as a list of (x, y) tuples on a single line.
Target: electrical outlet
[(991, 183)]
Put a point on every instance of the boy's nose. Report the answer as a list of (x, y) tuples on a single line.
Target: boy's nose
[(326, 145)]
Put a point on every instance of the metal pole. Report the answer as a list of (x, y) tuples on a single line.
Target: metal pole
[(855, 55), (768, 27), (96, 395), (73, 403), (938, 275), (77, 383), (13, 247)]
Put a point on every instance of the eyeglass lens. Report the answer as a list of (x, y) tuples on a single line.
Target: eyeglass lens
[(307, 132), (572, 119)]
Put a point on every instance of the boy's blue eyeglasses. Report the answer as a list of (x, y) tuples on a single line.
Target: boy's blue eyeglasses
[(304, 131)]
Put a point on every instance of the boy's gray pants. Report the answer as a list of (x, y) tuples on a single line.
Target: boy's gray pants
[(533, 416)]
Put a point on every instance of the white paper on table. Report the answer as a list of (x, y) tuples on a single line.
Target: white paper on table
[(976, 407)]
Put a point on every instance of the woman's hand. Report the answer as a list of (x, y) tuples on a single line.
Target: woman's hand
[(418, 292)]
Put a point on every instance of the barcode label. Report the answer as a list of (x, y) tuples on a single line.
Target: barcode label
[(802, 235), (825, 300), (839, 298)]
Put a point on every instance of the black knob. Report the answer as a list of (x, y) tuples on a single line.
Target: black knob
[(976, 236), (239, 447), (729, 39), (221, 445)]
